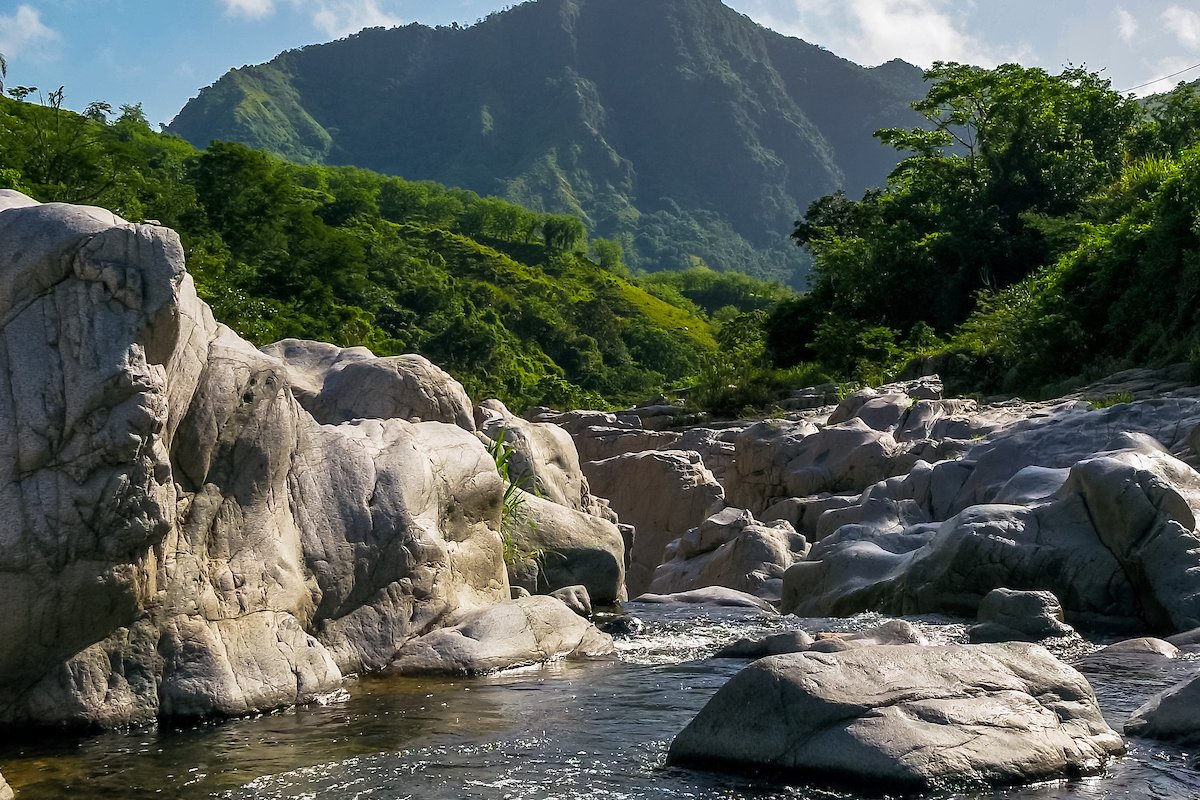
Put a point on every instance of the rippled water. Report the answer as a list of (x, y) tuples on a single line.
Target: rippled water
[(595, 731)]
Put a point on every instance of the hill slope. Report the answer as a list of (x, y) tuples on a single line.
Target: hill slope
[(679, 127)]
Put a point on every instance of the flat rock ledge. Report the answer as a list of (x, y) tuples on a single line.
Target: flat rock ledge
[(516, 633), (899, 718)]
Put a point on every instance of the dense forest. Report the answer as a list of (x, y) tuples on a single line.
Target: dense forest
[(680, 128), (506, 299), (1042, 230), (1039, 231)]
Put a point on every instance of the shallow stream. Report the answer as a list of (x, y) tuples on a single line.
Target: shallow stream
[(595, 730)]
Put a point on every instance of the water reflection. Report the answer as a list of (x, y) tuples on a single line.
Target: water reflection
[(594, 731)]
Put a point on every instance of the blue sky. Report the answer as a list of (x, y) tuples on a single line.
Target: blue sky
[(162, 52)]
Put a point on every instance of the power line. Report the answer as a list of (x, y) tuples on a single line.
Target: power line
[(1163, 78)]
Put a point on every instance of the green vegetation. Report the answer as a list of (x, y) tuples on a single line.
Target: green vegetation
[(678, 129), (514, 500), (1040, 233), (500, 296)]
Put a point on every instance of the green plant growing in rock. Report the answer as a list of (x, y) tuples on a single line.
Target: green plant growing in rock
[(514, 500), (1115, 399)]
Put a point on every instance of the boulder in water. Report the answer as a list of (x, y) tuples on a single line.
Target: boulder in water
[(515, 633), (904, 717)]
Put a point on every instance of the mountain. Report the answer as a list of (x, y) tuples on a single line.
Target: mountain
[(681, 128)]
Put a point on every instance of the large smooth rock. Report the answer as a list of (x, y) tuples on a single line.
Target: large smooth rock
[(6, 792), (569, 548), (1170, 715), (337, 385), (1117, 545), (543, 459), (718, 596), (1009, 615), (776, 460), (662, 494), (904, 718), (731, 549), (178, 536), (515, 633)]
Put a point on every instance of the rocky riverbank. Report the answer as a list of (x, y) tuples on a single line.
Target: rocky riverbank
[(192, 527)]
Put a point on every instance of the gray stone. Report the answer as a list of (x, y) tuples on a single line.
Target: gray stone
[(178, 536), (515, 633), (908, 718), (1170, 715), (776, 644), (569, 548), (1036, 614), (575, 598), (6, 792), (338, 385), (710, 596), (662, 494)]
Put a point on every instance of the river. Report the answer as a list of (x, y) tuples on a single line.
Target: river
[(594, 731)]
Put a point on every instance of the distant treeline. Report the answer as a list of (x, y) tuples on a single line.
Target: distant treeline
[(506, 299)]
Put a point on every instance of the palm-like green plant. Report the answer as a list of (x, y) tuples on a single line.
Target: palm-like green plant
[(514, 498)]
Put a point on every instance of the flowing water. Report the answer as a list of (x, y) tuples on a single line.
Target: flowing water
[(595, 730)]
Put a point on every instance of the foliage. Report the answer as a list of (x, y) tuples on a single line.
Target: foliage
[(680, 129), (498, 295), (1026, 238), (515, 487)]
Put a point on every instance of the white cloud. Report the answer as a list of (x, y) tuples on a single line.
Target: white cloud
[(334, 18), (873, 31), (343, 17), (1165, 66), (24, 32), (1185, 24), (250, 9), (1127, 25)]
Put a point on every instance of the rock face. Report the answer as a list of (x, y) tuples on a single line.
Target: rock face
[(662, 494), (337, 385), (569, 548), (905, 717), (1117, 544), (515, 633), (1171, 715), (178, 536), (1007, 615), (731, 549)]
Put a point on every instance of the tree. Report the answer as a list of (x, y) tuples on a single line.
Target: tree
[(563, 234), (1000, 148)]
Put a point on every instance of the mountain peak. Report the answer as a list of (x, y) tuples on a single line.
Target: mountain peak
[(682, 128)]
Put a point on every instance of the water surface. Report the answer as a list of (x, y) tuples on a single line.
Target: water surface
[(565, 731)]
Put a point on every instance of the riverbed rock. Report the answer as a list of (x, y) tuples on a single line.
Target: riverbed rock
[(662, 494), (568, 548), (1173, 715), (776, 459), (776, 644), (1008, 615), (718, 596), (338, 385), (1116, 544), (178, 535), (905, 717), (6, 792), (543, 458), (575, 598), (733, 550), (515, 633)]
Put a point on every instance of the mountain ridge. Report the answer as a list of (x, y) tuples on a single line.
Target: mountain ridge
[(681, 128)]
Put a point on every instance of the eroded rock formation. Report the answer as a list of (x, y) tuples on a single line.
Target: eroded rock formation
[(178, 535)]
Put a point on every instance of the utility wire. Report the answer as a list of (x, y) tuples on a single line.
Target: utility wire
[(1163, 78)]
